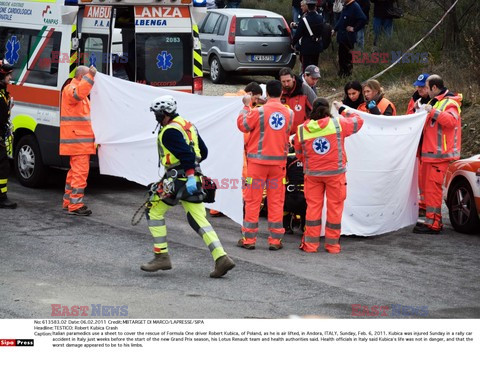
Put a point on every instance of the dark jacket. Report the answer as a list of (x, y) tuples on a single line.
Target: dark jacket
[(348, 102), (174, 141), (351, 16), (296, 3), (380, 8), (365, 5), (309, 45), (4, 110)]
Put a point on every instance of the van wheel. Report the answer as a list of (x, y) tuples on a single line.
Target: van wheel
[(461, 208), (28, 165), (217, 73)]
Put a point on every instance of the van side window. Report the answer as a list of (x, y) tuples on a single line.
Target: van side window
[(34, 55), (209, 24)]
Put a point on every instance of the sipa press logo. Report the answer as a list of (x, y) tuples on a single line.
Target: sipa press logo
[(16, 343), (97, 310)]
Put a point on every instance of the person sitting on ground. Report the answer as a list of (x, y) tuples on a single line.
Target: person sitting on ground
[(375, 102)]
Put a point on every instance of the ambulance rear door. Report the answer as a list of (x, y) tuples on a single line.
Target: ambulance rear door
[(164, 47), (94, 29)]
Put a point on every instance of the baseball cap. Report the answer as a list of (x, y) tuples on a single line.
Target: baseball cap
[(313, 71), (421, 80)]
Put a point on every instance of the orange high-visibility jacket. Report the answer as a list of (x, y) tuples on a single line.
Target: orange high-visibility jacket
[(269, 127), (442, 132), (320, 143), (382, 106), (76, 134)]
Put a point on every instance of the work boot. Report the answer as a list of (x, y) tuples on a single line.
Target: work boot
[(222, 265), (424, 229), (273, 247), (333, 249), (159, 262), (83, 211), (5, 203), (248, 246)]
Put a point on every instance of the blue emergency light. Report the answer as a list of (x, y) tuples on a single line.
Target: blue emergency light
[(199, 3), (71, 2)]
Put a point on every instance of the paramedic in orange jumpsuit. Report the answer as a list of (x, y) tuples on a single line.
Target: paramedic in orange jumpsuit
[(255, 90), (319, 144), (269, 127), (76, 138), (421, 93), (441, 144)]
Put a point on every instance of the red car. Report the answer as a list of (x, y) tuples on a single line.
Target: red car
[(461, 191)]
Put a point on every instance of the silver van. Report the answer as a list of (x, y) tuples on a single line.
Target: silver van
[(247, 41)]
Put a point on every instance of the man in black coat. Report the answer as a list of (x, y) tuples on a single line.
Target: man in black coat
[(309, 36), (351, 21)]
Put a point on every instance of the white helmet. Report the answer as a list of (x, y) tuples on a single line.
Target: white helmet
[(164, 104)]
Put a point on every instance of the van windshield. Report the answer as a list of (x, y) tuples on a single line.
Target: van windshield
[(261, 27)]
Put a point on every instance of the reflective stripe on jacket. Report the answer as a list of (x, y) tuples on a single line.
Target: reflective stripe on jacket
[(76, 134), (442, 132), (320, 144), (269, 127), (189, 133)]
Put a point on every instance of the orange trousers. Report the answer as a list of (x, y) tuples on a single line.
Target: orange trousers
[(421, 184), (315, 188), (76, 181), (272, 178), (434, 176)]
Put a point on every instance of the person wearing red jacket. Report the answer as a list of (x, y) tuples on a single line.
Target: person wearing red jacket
[(76, 138), (441, 144), (269, 127), (297, 95), (319, 143), (421, 93)]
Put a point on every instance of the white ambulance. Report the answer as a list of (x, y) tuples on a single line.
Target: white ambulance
[(154, 42)]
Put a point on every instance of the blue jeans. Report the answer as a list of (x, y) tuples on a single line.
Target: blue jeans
[(361, 38), (379, 24)]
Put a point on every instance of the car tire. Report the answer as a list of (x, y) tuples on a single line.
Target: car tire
[(28, 163), (217, 73), (461, 208)]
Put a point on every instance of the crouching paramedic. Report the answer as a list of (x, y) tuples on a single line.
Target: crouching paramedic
[(269, 127), (181, 149), (319, 144)]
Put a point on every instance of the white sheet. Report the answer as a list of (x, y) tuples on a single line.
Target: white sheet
[(382, 184)]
